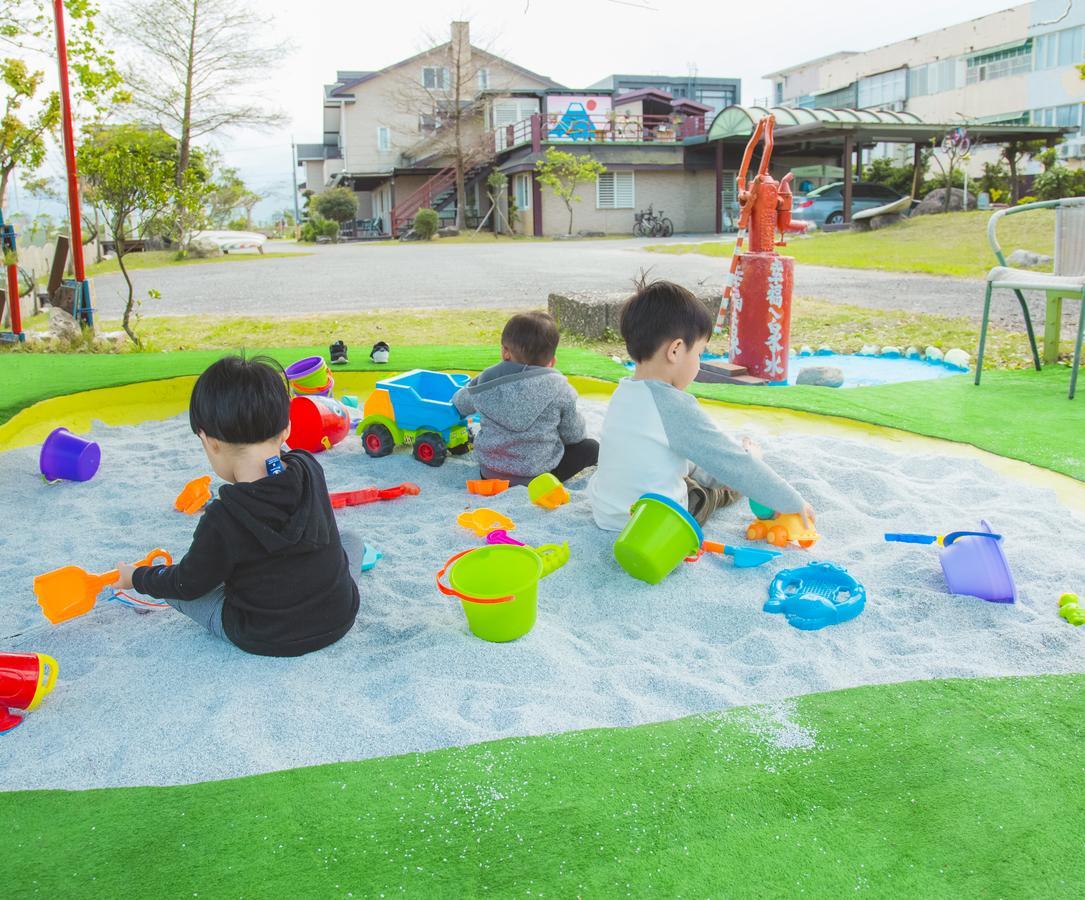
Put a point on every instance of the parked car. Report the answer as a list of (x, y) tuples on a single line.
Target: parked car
[(825, 205)]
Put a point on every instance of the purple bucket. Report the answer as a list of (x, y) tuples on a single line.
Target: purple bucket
[(66, 456), (977, 566), (304, 368)]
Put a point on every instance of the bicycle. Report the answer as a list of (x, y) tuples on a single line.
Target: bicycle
[(648, 224)]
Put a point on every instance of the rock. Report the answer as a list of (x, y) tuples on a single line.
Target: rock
[(933, 354), (591, 234), (1027, 259), (62, 326), (821, 376), (885, 221), (448, 231), (806, 350), (957, 358), (592, 314), (912, 353), (409, 235), (869, 350), (204, 248), (934, 202), (890, 353), (824, 350), (113, 340)]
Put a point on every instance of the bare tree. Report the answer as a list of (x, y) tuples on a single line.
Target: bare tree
[(448, 101), (194, 66)]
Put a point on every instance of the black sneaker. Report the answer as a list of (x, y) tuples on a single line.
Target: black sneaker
[(338, 353), (379, 353)]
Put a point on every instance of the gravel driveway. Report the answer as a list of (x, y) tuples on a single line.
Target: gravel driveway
[(354, 277)]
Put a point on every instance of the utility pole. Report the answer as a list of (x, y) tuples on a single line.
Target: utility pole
[(294, 183)]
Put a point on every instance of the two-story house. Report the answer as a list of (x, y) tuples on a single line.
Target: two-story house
[(389, 132)]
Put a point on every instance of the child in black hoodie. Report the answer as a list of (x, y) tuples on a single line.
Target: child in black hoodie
[(266, 570)]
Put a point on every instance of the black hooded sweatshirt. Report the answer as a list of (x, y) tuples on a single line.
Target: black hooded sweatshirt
[(275, 545)]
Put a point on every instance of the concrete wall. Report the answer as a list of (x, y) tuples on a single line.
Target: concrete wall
[(955, 40), (687, 198)]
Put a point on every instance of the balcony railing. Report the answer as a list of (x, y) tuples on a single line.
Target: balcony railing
[(613, 128)]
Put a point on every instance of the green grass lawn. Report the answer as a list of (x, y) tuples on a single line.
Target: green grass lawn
[(157, 259), (948, 244), (814, 322), (966, 788)]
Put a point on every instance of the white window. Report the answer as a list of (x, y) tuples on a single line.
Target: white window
[(384, 138), (884, 89), (999, 63), (435, 77), (614, 190), (483, 79), (522, 191)]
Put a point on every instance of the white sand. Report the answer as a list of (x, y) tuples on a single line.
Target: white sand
[(151, 699)]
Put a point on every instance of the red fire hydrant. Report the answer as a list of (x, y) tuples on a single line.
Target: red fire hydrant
[(760, 281)]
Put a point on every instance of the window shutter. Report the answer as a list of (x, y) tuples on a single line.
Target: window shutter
[(604, 191), (623, 190)]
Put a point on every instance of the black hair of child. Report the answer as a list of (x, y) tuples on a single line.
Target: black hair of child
[(240, 401), (658, 313), (531, 338)]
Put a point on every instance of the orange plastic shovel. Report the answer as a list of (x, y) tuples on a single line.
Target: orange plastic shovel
[(71, 591)]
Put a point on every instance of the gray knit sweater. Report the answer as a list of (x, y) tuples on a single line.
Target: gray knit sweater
[(528, 416)]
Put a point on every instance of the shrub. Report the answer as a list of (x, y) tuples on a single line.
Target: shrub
[(1058, 182), (330, 229), (425, 223), (339, 204)]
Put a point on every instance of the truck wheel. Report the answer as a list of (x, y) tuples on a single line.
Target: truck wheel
[(430, 449), (460, 449), (378, 441)]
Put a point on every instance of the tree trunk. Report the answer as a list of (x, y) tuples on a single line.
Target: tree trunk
[(949, 189), (5, 176), (184, 144), (131, 295), (569, 206), (1015, 188)]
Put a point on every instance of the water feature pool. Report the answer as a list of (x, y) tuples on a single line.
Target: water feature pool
[(865, 371)]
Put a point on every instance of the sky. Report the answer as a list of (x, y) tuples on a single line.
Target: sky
[(575, 42)]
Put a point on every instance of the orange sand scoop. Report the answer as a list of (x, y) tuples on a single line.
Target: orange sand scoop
[(487, 487), (194, 496), (71, 591), (483, 521)]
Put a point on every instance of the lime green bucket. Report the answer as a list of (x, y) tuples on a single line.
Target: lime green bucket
[(498, 586), (660, 533)]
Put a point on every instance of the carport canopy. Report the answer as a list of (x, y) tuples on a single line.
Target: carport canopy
[(841, 133)]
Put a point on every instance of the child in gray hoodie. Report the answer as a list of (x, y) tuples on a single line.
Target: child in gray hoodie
[(530, 423)]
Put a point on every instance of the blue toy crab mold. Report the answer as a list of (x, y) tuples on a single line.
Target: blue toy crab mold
[(816, 595)]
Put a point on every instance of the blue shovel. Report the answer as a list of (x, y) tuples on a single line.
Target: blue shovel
[(942, 540)]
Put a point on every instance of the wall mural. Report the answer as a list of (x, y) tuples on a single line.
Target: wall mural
[(576, 117)]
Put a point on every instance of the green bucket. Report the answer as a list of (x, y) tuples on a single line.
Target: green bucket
[(660, 533), (498, 586)]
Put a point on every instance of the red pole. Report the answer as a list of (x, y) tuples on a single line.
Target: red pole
[(69, 146)]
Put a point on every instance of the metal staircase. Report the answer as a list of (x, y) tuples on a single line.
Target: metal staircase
[(436, 193)]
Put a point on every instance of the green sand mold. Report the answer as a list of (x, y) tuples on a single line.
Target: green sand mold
[(955, 788), (1019, 414)]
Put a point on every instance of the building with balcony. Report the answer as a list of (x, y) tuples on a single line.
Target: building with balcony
[(387, 135)]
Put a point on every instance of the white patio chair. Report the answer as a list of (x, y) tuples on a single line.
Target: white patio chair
[(1066, 282)]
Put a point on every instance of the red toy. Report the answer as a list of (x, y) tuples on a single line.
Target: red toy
[(372, 495), (760, 282), (316, 424), (25, 678)]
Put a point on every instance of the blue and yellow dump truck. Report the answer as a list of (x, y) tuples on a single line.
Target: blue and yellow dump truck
[(416, 409)]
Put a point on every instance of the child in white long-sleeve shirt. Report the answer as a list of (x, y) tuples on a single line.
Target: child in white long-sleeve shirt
[(655, 436)]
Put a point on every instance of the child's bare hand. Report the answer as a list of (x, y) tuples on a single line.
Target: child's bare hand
[(808, 517), (124, 583)]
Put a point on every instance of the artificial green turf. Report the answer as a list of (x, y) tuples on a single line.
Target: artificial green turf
[(965, 788), (1021, 414)]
